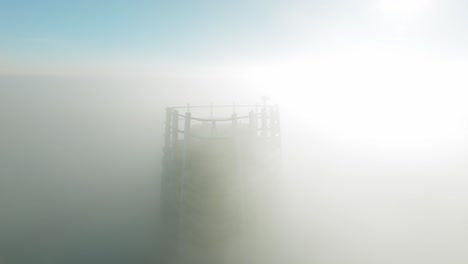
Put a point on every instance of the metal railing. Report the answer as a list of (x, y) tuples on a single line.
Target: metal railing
[(262, 121)]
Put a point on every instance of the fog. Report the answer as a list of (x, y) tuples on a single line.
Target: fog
[(374, 125), (81, 164), (366, 178)]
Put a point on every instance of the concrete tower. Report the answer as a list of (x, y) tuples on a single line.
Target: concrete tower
[(219, 174)]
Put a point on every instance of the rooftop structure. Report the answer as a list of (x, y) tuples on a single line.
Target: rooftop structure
[(219, 172)]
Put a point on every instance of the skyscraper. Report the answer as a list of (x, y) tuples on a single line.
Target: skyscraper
[(219, 174)]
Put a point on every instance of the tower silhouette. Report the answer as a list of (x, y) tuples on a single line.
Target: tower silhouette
[(219, 173)]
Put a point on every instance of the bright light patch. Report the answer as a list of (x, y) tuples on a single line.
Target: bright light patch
[(404, 7), (384, 101)]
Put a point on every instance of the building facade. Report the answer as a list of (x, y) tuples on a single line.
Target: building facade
[(220, 172)]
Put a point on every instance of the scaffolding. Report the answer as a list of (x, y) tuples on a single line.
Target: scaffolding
[(217, 166)]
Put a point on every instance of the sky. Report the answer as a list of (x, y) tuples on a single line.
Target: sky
[(87, 32), (60, 37)]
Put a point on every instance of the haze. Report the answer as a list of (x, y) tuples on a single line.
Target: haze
[(372, 100)]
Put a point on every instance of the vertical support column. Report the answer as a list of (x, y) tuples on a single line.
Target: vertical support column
[(183, 183), (167, 134), (188, 119), (168, 241), (175, 187), (235, 137), (175, 131)]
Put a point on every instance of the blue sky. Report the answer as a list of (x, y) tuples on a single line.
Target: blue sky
[(38, 29), (181, 29), (47, 33)]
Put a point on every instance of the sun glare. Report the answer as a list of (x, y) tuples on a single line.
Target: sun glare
[(404, 7), (384, 100)]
